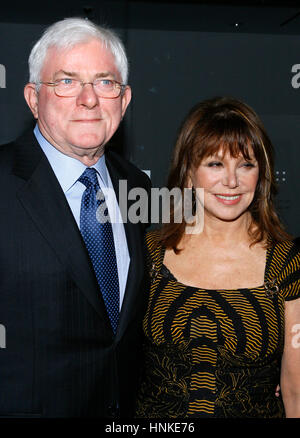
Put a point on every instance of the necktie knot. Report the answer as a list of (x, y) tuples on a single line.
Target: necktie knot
[(89, 177)]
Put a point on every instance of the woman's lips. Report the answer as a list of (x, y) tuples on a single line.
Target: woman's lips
[(228, 199)]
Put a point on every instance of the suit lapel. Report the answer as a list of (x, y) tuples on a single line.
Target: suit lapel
[(133, 236), (44, 200)]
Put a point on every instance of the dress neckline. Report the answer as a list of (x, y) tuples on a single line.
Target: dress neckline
[(171, 276)]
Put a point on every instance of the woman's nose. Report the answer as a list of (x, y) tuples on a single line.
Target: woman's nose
[(230, 178)]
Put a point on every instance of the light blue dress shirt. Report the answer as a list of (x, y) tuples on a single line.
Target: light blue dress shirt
[(67, 170)]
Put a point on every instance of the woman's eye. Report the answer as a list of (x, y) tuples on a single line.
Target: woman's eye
[(214, 164), (248, 165)]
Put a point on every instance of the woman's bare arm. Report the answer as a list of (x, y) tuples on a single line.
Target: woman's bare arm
[(290, 369)]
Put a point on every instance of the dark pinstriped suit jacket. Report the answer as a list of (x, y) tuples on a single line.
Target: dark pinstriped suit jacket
[(61, 359)]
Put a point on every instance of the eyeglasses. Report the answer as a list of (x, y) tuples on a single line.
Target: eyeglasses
[(67, 87)]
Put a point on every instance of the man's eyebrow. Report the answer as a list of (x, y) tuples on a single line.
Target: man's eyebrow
[(104, 74), (66, 73), (73, 74)]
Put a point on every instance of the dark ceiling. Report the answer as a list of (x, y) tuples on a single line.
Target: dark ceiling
[(256, 16)]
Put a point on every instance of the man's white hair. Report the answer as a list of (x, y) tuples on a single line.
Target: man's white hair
[(67, 33)]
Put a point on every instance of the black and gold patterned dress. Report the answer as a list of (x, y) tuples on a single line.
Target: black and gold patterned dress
[(215, 353)]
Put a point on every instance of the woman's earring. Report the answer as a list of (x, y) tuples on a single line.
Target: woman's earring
[(193, 199)]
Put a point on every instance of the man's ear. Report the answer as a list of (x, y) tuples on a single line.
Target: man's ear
[(126, 98), (31, 98)]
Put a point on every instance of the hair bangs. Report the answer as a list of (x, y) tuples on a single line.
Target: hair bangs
[(218, 137)]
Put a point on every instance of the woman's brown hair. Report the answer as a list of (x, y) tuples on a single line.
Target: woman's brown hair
[(228, 124)]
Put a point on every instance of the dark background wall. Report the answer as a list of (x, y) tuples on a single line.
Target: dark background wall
[(180, 52)]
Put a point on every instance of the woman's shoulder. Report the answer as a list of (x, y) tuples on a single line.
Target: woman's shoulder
[(153, 240), (286, 251), (154, 248), (285, 267)]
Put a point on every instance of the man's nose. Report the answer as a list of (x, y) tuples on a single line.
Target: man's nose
[(87, 96)]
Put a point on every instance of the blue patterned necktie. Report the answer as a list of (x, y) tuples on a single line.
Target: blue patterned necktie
[(98, 238)]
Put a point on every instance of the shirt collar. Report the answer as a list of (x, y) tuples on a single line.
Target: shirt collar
[(67, 169)]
